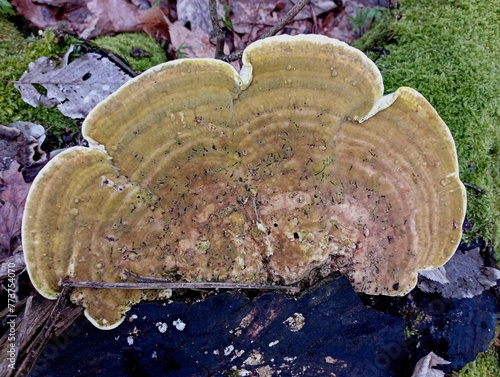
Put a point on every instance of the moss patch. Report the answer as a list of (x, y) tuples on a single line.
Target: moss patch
[(122, 44), (485, 365), (15, 55), (448, 50)]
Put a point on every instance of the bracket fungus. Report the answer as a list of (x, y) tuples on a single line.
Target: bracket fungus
[(198, 173)]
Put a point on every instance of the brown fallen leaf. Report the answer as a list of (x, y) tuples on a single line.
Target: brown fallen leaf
[(197, 14), (337, 26), (111, 16), (13, 192), (16, 260), (154, 24), (43, 15), (252, 18), (87, 18), (194, 43), (316, 7)]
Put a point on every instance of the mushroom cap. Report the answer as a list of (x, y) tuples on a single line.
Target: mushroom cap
[(196, 173)]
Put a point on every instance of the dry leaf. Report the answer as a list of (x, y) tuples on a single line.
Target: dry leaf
[(195, 43), (197, 14), (32, 131), (21, 141), (251, 17), (75, 88), (337, 27), (87, 18), (154, 24), (16, 260), (255, 17), (111, 16), (424, 367), (12, 146), (317, 6), (13, 192), (42, 14)]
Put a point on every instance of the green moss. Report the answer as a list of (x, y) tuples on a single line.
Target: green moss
[(379, 33), (449, 51), (122, 45), (15, 55), (51, 44), (487, 364)]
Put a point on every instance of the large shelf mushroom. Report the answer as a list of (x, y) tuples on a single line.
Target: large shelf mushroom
[(195, 173)]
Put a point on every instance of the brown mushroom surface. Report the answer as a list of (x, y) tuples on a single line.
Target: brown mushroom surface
[(195, 173)]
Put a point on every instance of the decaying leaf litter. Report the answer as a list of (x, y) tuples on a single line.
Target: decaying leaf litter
[(190, 34), (181, 41)]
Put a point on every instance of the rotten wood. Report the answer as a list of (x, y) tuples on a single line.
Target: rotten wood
[(40, 320), (19, 305), (232, 334)]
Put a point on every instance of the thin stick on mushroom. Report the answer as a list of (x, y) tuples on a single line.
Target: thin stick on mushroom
[(155, 283)]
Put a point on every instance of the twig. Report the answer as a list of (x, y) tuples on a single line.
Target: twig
[(154, 283), (36, 345), (274, 30), (315, 20), (286, 19), (254, 206), (24, 324), (474, 187), (18, 305), (219, 34)]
